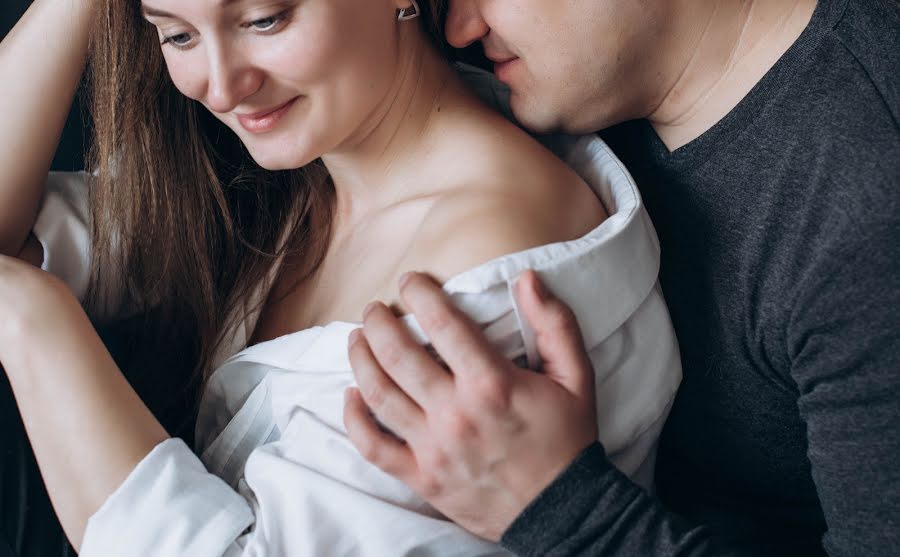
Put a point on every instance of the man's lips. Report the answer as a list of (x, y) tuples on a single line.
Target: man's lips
[(502, 66), (499, 58), (264, 120)]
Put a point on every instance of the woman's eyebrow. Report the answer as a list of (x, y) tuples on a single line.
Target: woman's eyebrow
[(154, 12)]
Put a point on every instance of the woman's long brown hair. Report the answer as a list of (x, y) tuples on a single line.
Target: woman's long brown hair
[(191, 224)]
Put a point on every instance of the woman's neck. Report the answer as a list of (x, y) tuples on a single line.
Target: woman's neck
[(383, 162)]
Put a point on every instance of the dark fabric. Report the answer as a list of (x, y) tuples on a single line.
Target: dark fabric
[(780, 235), (28, 525)]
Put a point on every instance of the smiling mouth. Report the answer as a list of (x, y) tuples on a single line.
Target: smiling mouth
[(265, 120)]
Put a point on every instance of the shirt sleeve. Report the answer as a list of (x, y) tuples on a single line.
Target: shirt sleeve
[(592, 508), (844, 343), (63, 228), (169, 505)]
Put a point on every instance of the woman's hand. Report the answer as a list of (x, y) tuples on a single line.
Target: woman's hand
[(87, 426)]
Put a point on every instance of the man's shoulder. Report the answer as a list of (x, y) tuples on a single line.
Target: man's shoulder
[(839, 119), (870, 29), (862, 50)]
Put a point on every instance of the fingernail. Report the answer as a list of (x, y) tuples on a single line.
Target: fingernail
[(404, 278), (539, 289), (369, 309), (354, 337)]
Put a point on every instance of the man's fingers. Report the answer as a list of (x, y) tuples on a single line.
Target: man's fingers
[(388, 402), (456, 338), (407, 363), (379, 447), (557, 335)]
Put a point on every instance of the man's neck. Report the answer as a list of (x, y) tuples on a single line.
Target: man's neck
[(717, 63)]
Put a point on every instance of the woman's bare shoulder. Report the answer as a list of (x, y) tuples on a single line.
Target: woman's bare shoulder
[(540, 202)]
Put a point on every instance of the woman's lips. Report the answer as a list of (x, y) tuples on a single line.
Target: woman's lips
[(266, 120)]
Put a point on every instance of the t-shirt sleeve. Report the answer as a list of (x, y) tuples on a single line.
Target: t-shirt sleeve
[(844, 343), (592, 508)]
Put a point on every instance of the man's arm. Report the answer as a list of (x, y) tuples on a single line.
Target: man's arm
[(843, 338), (594, 509), (483, 442)]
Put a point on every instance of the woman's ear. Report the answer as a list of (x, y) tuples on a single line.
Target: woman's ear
[(407, 9), (400, 4)]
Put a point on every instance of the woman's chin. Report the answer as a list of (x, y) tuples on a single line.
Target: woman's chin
[(278, 161)]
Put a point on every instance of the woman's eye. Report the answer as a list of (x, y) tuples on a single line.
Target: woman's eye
[(179, 40), (268, 23)]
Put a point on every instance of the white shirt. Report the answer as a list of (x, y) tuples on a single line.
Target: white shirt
[(276, 473)]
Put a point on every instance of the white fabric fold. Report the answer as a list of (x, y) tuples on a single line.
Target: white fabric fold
[(63, 229), (189, 512)]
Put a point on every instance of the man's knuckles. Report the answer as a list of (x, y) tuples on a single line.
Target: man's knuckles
[(427, 484), (457, 428), (492, 391)]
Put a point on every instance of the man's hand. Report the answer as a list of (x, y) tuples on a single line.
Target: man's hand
[(481, 440)]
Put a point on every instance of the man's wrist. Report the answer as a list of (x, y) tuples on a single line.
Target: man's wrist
[(536, 529)]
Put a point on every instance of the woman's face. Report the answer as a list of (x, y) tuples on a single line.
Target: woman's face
[(294, 79)]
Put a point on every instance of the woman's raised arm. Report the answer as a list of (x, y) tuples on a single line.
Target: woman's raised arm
[(41, 63)]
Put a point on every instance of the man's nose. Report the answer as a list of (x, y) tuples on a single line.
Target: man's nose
[(231, 79), (464, 23)]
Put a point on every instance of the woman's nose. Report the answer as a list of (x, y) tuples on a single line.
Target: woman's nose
[(230, 80), (464, 23)]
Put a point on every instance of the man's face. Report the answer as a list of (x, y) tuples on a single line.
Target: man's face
[(575, 65)]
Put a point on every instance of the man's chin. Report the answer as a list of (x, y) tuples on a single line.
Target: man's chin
[(541, 121), (536, 116)]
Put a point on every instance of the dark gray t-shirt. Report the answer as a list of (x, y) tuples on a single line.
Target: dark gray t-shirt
[(780, 234)]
